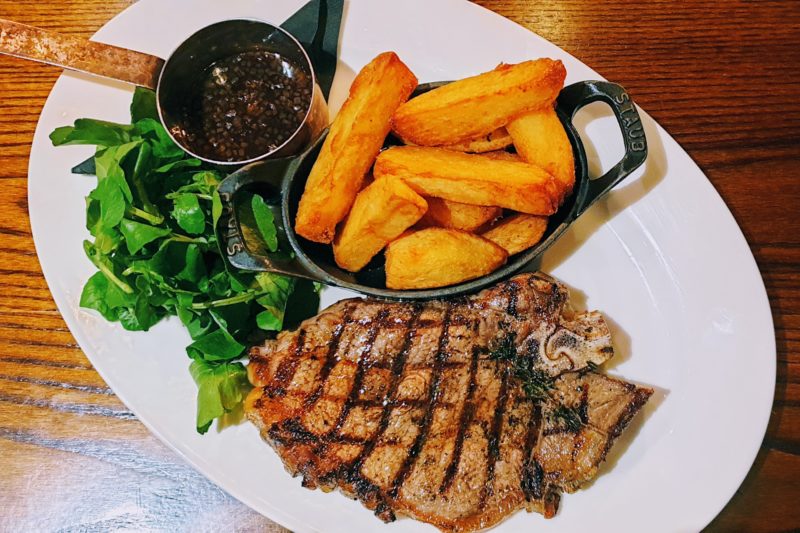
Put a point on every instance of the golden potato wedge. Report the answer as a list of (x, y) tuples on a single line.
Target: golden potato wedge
[(455, 215), (436, 257), (517, 232), (473, 107), (380, 213), (471, 179), (353, 141), (503, 156), (495, 140), (540, 139)]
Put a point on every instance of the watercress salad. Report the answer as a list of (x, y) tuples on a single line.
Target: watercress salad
[(152, 218)]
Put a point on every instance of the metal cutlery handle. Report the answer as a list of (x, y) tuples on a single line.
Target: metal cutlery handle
[(75, 53)]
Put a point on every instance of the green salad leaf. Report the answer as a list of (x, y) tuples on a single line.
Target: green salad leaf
[(143, 105), (221, 389), (90, 131), (219, 345), (189, 214), (138, 234), (152, 219), (265, 221)]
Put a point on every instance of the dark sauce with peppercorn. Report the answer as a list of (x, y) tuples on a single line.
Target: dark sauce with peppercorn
[(248, 104)]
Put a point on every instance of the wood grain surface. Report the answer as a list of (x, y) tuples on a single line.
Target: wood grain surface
[(720, 76)]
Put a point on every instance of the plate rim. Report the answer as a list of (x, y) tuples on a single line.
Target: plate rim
[(276, 513)]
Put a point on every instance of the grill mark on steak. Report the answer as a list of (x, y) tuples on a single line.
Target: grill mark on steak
[(330, 359), (579, 439), (363, 488), (290, 432), (465, 421), (512, 292), (391, 403), (494, 435), (294, 429), (583, 407), (287, 368), (433, 395), (532, 473), (372, 334), (333, 435)]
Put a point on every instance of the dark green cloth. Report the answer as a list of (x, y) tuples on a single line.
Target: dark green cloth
[(322, 48)]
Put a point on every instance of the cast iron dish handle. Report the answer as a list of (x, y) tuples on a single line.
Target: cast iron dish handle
[(269, 175), (573, 97)]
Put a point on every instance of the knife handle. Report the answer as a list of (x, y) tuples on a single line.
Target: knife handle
[(75, 53)]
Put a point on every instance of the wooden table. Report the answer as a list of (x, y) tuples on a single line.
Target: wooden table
[(721, 76)]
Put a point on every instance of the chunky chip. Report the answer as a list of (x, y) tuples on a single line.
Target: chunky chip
[(471, 179), (476, 106), (503, 155), (495, 140), (380, 213), (517, 232), (436, 257), (353, 141), (455, 215), (540, 139)]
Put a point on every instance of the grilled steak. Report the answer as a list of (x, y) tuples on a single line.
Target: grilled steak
[(456, 412)]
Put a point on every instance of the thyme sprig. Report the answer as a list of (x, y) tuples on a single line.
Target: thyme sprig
[(569, 416), (536, 383)]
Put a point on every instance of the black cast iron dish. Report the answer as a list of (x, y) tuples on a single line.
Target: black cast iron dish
[(281, 183)]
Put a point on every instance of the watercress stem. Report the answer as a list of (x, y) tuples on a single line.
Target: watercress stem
[(124, 287), (239, 298), (177, 237), (149, 207), (144, 215), (201, 196)]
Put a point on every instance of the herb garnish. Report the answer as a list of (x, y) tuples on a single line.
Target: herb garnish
[(570, 417), (506, 350), (536, 383), (152, 217)]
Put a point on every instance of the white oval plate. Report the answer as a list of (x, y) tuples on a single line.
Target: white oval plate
[(662, 257)]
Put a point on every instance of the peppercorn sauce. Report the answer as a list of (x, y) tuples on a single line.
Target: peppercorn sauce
[(247, 105)]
